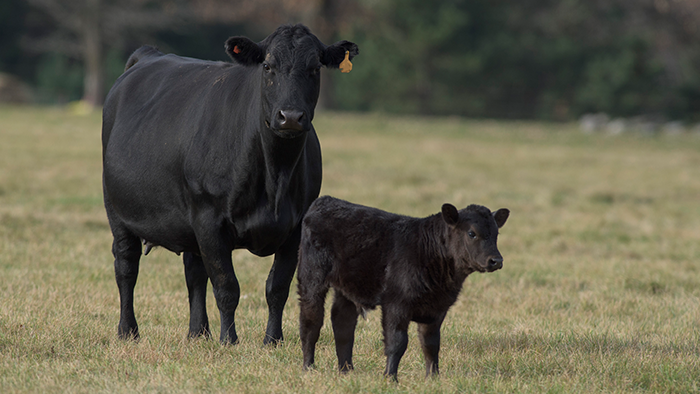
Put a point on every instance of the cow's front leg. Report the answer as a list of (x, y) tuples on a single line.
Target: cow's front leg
[(395, 326), (216, 256), (196, 278), (226, 292), (429, 336), (277, 285)]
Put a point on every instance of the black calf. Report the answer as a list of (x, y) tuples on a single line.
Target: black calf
[(414, 268)]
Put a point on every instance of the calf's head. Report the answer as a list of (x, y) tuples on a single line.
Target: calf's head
[(472, 235), (290, 62)]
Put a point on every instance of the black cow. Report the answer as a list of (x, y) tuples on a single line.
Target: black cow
[(205, 157), (414, 268)]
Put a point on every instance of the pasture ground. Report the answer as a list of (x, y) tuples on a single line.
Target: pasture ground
[(599, 292)]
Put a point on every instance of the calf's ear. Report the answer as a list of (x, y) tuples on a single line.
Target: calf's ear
[(450, 214), (244, 51), (501, 216), (334, 54)]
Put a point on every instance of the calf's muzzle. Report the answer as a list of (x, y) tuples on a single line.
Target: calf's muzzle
[(494, 263)]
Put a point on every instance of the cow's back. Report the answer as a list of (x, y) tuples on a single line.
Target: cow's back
[(165, 96)]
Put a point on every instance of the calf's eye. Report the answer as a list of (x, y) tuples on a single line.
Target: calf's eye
[(266, 67), (471, 234)]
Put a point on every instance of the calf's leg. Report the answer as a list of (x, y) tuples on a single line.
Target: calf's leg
[(313, 288), (311, 303), (196, 278), (344, 320), (126, 249), (395, 338), (429, 336), (277, 285)]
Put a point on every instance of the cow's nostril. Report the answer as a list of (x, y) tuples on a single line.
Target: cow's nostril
[(496, 262)]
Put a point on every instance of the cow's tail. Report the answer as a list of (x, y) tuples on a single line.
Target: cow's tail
[(139, 54)]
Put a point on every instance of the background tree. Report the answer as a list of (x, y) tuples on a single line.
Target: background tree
[(547, 59), (82, 27), (87, 29), (528, 58)]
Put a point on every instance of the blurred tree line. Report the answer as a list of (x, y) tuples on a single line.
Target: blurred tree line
[(545, 59)]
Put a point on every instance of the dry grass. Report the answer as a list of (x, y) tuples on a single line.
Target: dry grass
[(600, 290)]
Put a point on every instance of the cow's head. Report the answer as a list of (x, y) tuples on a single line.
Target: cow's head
[(289, 62), (472, 235)]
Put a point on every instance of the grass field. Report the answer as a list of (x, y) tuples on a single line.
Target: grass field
[(600, 290)]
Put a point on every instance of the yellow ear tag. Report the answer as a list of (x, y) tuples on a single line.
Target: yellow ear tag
[(345, 65)]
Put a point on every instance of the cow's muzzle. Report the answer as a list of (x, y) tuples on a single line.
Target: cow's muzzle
[(290, 121)]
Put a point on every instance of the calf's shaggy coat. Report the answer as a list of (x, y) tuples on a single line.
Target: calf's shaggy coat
[(413, 267)]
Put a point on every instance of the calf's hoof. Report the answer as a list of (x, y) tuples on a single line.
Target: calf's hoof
[(391, 377)]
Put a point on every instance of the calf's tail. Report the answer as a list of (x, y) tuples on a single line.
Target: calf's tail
[(313, 268)]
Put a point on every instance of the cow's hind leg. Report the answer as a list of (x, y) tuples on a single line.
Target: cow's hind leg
[(344, 319), (277, 286), (196, 277), (126, 249)]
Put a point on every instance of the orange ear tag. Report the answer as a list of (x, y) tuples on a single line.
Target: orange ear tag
[(345, 65)]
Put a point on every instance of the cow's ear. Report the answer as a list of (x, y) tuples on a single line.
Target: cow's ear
[(450, 214), (501, 216), (244, 51), (334, 54)]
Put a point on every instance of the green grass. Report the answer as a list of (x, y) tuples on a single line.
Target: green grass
[(600, 291)]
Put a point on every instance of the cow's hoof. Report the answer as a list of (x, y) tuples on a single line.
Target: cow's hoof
[(229, 340), (129, 334), (272, 341)]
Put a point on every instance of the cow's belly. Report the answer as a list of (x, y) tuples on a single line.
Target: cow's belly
[(149, 206), (160, 211)]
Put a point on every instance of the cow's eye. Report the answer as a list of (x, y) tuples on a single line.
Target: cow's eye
[(471, 234), (266, 67)]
